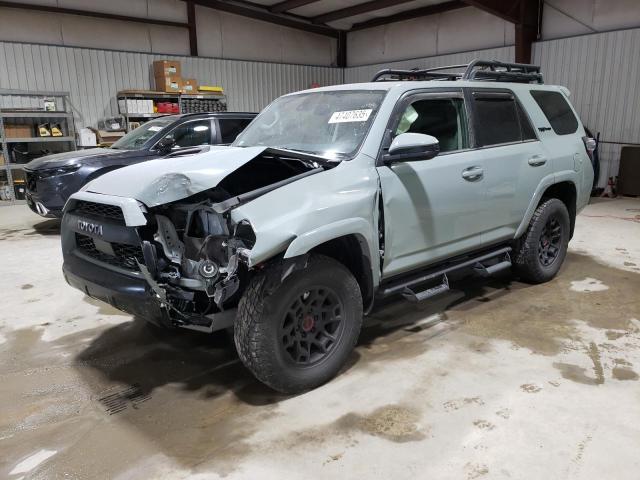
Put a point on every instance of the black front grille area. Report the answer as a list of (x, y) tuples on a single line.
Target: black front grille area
[(99, 210), (32, 181), (124, 256)]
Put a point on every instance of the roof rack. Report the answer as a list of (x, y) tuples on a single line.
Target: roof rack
[(480, 70)]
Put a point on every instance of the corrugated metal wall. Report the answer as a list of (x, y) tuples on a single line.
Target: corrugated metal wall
[(365, 73), (603, 73), (94, 76)]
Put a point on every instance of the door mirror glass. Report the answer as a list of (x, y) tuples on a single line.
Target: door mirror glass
[(412, 147)]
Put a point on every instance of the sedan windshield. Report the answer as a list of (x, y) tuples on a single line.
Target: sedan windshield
[(135, 139), (331, 124)]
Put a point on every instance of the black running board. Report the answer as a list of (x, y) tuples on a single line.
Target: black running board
[(412, 296), (476, 263)]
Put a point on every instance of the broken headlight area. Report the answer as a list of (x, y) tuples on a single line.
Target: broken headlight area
[(196, 260)]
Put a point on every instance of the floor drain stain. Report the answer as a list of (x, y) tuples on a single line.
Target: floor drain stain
[(119, 401)]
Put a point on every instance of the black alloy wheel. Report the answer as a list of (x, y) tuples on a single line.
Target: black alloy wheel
[(312, 326), (550, 240)]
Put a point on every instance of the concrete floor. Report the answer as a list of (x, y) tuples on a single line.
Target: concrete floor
[(497, 380)]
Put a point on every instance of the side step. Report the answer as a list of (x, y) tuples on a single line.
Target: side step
[(503, 264), (476, 263), (412, 296)]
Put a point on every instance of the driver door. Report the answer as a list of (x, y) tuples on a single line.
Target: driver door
[(433, 209)]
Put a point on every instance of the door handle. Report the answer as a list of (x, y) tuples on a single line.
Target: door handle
[(472, 174), (537, 161)]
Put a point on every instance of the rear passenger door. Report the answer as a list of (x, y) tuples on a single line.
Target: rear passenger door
[(514, 159)]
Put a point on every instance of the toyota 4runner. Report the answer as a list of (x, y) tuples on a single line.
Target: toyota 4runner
[(333, 198)]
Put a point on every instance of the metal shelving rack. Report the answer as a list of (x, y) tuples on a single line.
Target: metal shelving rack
[(36, 112), (182, 99)]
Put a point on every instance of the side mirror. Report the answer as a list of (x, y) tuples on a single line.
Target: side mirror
[(165, 145), (411, 147)]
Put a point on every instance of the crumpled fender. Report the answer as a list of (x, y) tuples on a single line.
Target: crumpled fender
[(302, 215), (315, 237)]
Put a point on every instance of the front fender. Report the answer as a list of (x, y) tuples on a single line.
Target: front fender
[(305, 242)]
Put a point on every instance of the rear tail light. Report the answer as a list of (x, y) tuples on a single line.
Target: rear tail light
[(590, 145)]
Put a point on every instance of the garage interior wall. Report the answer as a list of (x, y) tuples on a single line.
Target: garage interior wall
[(603, 74), (429, 36), (604, 88), (93, 77), (220, 34)]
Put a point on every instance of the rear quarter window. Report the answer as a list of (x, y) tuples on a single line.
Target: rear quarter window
[(557, 110)]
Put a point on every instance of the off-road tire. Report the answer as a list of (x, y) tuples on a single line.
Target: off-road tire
[(527, 262), (260, 315)]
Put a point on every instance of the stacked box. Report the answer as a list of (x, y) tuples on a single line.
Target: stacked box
[(168, 76), (189, 86)]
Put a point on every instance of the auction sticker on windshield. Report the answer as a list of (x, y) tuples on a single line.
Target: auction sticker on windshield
[(351, 116)]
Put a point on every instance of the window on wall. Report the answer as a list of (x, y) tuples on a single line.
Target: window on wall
[(230, 128), (557, 110), (442, 118)]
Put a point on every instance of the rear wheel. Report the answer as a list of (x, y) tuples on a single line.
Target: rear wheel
[(300, 335), (543, 247)]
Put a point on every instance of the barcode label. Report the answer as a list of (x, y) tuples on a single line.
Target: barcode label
[(350, 116)]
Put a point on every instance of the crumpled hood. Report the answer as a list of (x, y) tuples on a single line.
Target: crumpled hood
[(75, 156), (166, 180)]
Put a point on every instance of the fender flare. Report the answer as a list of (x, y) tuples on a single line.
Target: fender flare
[(545, 183), (303, 243)]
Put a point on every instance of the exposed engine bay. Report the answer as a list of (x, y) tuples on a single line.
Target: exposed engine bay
[(195, 257)]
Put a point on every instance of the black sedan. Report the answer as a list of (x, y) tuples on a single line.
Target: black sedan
[(53, 178)]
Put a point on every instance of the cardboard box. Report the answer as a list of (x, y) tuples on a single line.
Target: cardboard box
[(17, 130), (189, 85), (169, 84), (105, 138), (166, 68)]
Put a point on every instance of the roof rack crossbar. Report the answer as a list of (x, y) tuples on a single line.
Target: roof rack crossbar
[(416, 74), (480, 70), (502, 71)]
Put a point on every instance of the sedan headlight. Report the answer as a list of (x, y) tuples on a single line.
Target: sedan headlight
[(54, 172)]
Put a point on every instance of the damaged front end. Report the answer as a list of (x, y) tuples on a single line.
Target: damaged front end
[(196, 258)]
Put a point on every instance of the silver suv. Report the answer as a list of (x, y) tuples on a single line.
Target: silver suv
[(333, 198)]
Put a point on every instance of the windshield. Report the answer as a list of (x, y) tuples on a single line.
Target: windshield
[(135, 139), (329, 124)]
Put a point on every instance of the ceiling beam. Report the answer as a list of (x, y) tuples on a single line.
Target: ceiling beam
[(347, 12), (411, 14), (257, 13), (289, 5), (193, 33), (527, 29), (508, 11), (86, 13)]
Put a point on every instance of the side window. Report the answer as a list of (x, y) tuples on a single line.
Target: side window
[(557, 110), (230, 128), (443, 118), (191, 134), (496, 118)]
